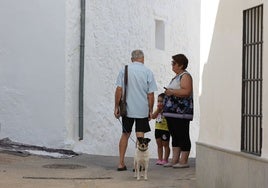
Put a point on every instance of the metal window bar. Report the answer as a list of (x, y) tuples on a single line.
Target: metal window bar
[(251, 119)]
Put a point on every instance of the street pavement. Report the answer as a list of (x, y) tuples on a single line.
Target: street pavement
[(86, 171)]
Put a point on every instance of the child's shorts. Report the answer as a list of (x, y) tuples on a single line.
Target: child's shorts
[(164, 135)]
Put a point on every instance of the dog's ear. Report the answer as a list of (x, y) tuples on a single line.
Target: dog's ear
[(140, 139), (148, 140)]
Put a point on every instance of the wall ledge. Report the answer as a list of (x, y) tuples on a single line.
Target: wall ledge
[(237, 153)]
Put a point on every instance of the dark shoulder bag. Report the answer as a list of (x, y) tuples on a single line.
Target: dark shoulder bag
[(123, 103), (179, 107)]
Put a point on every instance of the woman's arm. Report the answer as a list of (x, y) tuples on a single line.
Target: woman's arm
[(186, 87)]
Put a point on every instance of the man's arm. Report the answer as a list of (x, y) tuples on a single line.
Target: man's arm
[(150, 97), (117, 97), (156, 112)]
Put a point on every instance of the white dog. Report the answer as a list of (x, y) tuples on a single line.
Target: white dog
[(141, 158)]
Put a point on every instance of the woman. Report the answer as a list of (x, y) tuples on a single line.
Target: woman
[(178, 111)]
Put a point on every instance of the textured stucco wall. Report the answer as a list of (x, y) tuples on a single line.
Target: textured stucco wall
[(112, 32), (40, 66)]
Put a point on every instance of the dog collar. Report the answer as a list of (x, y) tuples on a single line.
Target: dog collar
[(142, 149)]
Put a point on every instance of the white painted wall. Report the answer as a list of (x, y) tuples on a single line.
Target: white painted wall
[(220, 101), (43, 90), (113, 31), (209, 9), (32, 73)]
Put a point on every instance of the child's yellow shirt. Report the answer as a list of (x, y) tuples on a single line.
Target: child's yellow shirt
[(161, 122)]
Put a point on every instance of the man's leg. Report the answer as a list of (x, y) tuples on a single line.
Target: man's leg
[(122, 149), (142, 126), (139, 134)]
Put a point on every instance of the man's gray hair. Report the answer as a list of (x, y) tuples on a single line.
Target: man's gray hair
[(136, 54)]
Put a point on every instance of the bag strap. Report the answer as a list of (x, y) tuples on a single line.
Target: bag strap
[(125, 83), (180, 75)]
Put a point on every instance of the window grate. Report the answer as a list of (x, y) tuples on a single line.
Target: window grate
[(251, 128)]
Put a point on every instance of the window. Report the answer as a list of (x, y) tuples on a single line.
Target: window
[(251, 128), (159, 35)]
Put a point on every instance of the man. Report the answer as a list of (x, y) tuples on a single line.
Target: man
[(140, 100)]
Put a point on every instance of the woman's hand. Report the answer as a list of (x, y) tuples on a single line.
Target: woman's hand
[(169, 92)]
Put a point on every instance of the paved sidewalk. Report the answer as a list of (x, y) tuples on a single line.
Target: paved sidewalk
[(86, 171)]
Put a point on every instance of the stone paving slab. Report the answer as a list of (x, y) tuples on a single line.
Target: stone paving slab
[(86, 171)]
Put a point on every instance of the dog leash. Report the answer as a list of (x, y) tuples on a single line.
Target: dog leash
[(126, 131)]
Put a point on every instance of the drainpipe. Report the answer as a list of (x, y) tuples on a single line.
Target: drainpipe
[(81, 69)]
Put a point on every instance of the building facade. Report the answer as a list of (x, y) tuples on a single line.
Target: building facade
[(41, 93), (232, 148)]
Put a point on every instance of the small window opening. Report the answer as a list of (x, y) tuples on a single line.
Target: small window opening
[(159, 35)]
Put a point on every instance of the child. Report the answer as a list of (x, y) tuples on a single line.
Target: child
[(161, 132)]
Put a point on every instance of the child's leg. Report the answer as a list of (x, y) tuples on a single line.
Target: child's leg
[(159, 148), (166, 149)]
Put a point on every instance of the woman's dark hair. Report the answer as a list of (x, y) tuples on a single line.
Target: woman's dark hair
[(181, 59)]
